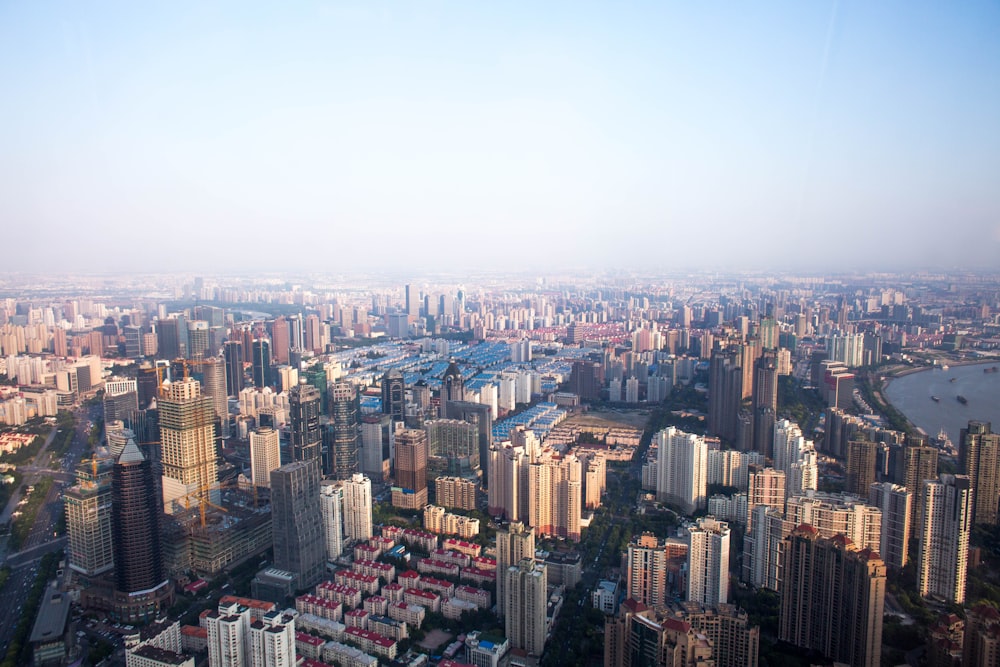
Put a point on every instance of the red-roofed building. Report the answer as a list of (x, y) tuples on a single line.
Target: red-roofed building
[(462, 546), (356, 618), (308, 646), (194, 639), (411, 614), (439, 586), (258, 608), (348, 596), (365, 583), (374, 569), (376, 604), (366, 551), (479, 596), (432, 601), (317, 606), (371, 642), (479, 576), (450, 556), (484, 563), (393, 592), (421, 539), (431, 566)]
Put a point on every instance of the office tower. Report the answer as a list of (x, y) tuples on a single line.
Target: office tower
[(357, 508), (647, 570), (197, 331), (681, 469), (313, 337), (895, 502), (708, 562), (524, 606), (920, 463), (265, 455), (304, 406), (861, 462), (411, 469), (296, 521), (832, 598), (88, 519), (944, 537), (725, 393), (394, 395), (187, 436), (232, 352), (515, 542), (167, 339), (377, 443), (121, 397), (261, 363), (555, 497), (453, 446), (481, 416), (766, 487), (228, 635), (280, 340), (765, 402), (344, 409), (452, 387), (214, 369), (147, 384), (331, 501), (412, 304), (135, 520), (979, 458)]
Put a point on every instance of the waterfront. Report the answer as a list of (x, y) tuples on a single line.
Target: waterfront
[(911, 394)]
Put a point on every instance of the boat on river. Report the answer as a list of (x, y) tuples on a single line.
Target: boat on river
[(961, 399), (936, 399)]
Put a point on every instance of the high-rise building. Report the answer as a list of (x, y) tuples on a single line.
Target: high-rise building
[(121, 398), (453, 446), (135, 520), (412, 300), (357, 508), (838, 514), (452, 386), (942, 563), (647, 570), (920, 463), (304, 406), (232, 352), (895, 502), (708, 562), (214, 370), (979, 458), (455, 492), (314, 339), (88, 519), (766, 487), (765, 402), (280, 340), (261, 363), (265, 455), (524, 606), (343, 434), (394, 395), (296, 521), (832, 598), (331, 502), (735, 641), (272, 641), (861, 463), (555, 496), (378, 438), (198, 342), (228, 635), (514, 543), (411, 469), (187, 435), (479, 414), (168, 339), (681, 469)]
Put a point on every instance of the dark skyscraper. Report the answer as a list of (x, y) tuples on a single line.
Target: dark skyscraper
[(979, 458), (304, 404), (725, 382), (261, 363), (233, 353), (168, 339), (297, 523), (394, 395), (343, 436), (765, 402), (280, 339), (135, 521), (585, 380), (452, 386)]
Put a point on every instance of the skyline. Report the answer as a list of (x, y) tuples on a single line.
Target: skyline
[(798, 137)]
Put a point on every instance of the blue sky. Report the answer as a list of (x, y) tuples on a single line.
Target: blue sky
[(342, 136)]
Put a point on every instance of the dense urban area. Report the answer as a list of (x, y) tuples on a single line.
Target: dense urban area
[(698, 470)]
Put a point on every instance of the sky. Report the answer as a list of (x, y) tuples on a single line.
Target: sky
[(340, 136)]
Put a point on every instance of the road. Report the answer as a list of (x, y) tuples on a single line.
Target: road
[(41, 538)]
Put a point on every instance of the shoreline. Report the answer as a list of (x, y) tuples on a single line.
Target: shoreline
[(887, 379)]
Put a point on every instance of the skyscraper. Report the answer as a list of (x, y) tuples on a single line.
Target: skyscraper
[(920, 463), (304, 406), (265, 455), (555, 496), (214, 370), (832, 598), (708, 562), (514, 543), (944, 537), (332, 505), (280, 340), (296, 520), (167, 339), (343, 438), (232, 351), (647, 570), (411, 469), (261, 363), (979, 458), (394, 395), (412, 301), (452, 386), (861, 462), (895, 502), (453, 446), (135, 518), (357, 508), (724, 393), (88, 519), (681, 469), (765, 402), (187, 435), (524, 606)]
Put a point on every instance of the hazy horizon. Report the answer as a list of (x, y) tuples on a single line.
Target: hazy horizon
[(350, 137)]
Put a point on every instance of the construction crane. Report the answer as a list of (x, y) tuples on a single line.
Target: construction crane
[(200, 495)]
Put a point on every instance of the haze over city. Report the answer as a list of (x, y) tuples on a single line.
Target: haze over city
[(362, 136)]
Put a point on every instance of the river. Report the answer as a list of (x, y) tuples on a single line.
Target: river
[(911, 395)]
